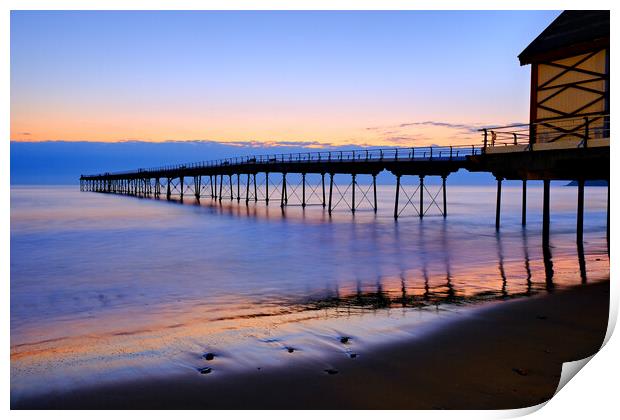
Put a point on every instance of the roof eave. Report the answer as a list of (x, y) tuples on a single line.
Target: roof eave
[(557, 54)]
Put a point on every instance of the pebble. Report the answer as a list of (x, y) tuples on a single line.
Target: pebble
[(541, 316), (290, 349), (353, 355), (521, 372), (208, 356), (331, 371), (344, 340), (205, 370)]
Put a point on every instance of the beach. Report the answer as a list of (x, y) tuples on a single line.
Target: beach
[(501, 355)]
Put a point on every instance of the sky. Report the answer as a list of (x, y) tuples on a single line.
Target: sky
[(269, 78)]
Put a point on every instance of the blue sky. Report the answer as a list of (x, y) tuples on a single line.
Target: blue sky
[(265, 76), (401, 78)]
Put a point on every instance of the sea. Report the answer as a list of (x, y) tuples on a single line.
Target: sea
[(108, 287)]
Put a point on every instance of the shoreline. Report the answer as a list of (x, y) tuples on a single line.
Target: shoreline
[(502, 355)]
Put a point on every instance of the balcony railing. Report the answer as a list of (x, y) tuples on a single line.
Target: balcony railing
[(581, 129)]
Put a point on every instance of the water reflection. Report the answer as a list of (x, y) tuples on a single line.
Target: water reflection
[(123, 282), (582, 262), (500, 263), (548, 261), (388, 293), (526, 259)]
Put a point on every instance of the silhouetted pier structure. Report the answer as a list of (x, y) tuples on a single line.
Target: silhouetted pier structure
[(237, 178)]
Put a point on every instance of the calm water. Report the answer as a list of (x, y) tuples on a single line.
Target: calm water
[(107, 287)]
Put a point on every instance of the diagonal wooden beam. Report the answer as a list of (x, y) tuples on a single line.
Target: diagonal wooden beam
[(566, 70)]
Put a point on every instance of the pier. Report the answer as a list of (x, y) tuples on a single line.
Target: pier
[(237, 179), (508, 153)]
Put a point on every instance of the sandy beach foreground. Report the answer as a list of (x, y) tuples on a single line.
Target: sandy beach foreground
[(502, 355)]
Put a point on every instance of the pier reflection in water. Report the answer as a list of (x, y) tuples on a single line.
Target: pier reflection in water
[(125, 286)]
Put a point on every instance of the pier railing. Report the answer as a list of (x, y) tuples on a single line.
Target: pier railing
[(580, 129), (352, 155)]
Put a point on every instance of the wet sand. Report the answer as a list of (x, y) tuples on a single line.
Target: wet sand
[(500, 355)]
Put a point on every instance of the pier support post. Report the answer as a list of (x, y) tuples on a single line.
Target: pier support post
[(267, 189), (396, 199), (524, 203), (421, 196), (546, 211), (181, 179), (247, 191), (323, 184), (211, 186), (445, 201), (353, 182), (303, 190), (255, 190), (168, 192), (580, 194), (215, 187), (221, 186), (331, 187), (238, 188), (197, 186), (283, 195), (374, 191), (231, 186), (498, 204)]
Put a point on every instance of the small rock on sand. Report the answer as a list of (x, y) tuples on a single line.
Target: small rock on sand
[(205, 370), (290, 349), (344, 340), (353, 355), (331, 371), (209, 356), (519, 371)]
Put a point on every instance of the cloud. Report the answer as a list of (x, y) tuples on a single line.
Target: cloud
[(456, 126), (405, 139), (235, 144)]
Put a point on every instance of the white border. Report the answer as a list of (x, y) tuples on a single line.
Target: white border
[(592, 394)]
